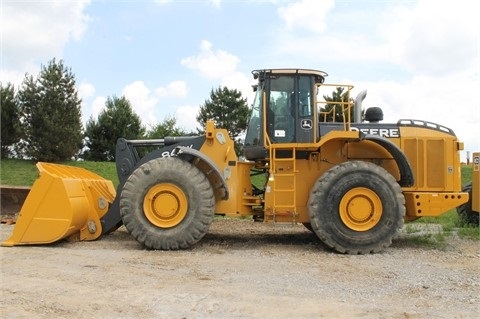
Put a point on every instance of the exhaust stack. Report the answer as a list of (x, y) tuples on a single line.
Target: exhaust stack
[(357, 115)]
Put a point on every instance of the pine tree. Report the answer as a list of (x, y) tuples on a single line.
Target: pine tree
[(167, 128), (228, 110), (337, 102), (117, 120), (10, 120), (51, 114)]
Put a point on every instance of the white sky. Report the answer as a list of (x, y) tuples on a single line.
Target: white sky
[(417, 59)]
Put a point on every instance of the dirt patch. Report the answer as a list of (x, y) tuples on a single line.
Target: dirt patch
[(11, 201), (240, 269)]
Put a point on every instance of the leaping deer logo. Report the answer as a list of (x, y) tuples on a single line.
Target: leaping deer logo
[(306, 124)]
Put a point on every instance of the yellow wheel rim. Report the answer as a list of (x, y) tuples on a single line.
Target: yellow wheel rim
[(165, 205), (360, 209)]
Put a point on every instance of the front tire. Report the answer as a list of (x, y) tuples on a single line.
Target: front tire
[(167, 204), (357, 208)]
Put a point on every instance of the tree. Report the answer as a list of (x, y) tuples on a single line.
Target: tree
[(51, 114), (166, 128), (117, 120), (10, 119), (228, 110), (335, 106)]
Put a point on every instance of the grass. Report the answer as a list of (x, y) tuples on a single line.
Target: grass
[(107, 170), (24, 173), (17, 172), (450, 225), (437, 240), (466, 173)]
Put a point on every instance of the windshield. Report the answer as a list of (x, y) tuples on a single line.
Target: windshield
[(254, 129)]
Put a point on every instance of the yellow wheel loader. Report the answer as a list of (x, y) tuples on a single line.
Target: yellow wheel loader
[(346, 176)]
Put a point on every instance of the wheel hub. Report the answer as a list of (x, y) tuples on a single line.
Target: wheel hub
[(165, 205), (360, 209)]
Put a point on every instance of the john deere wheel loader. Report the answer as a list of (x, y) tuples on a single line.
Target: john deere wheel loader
[(352, 182)]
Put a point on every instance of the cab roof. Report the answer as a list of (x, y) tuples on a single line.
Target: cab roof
[(317, 73)]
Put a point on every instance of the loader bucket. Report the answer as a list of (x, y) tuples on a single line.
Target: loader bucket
[(65, 201)]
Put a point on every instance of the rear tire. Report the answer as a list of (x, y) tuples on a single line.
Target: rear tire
[(167, 204), (357, 208), (465, 212)]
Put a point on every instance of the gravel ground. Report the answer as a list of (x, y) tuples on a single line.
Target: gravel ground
[(240, 269)]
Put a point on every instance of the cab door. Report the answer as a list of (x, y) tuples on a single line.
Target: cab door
[(290, 112), (304, 106)]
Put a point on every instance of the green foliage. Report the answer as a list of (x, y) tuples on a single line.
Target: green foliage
[(469, 232), (435, 240), (466, 174), (24, 173), (51, 114), (334, 106), (228, 110), (10, 119), (117, 120), (107, 170), (167, 128), (451, 223), (17, 172)]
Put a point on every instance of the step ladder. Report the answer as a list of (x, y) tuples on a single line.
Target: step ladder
[(283, 171)]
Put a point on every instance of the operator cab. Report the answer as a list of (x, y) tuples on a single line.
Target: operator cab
[(283, 110)]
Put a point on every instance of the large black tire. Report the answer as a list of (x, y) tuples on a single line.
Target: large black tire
[(356, 208), (167, 204), (465, 212)]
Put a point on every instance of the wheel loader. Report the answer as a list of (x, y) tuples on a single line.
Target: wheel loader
[(349, 178)]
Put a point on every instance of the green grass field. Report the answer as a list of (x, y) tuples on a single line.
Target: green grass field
[(24, 173)]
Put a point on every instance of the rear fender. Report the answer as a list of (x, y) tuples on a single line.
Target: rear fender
[(406, 172)]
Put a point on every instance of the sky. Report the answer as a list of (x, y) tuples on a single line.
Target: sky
[(416, 59)]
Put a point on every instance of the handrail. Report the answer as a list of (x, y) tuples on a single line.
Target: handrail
[(426, 124), (346, 106)]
